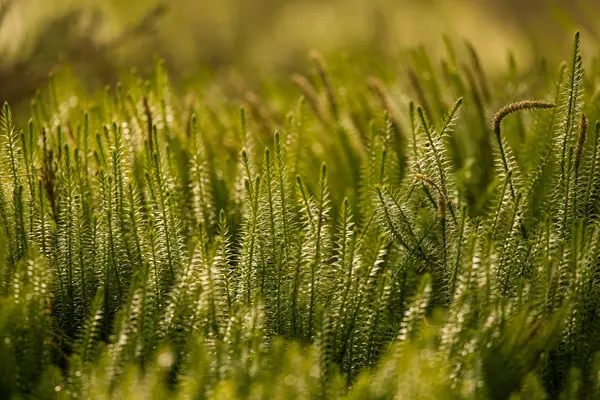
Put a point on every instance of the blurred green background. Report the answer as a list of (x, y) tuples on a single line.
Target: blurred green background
[(260, 38)]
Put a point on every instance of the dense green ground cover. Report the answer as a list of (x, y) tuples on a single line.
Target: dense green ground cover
[(331, 239)]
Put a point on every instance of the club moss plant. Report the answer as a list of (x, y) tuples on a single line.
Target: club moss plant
[(328, 240)]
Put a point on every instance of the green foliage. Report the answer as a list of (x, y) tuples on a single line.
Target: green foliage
[(154, 249)]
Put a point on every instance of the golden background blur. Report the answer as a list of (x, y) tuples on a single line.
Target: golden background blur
[(268, 36)]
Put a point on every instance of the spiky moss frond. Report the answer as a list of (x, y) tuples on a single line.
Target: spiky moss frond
[(415, 313), (591, 167), (572, 102), (12, 153), (25, 322), (370, 173), (10, 166), (346, 266), (72, 272), (249, 262), (318, 233), (367, 276), (435, 162), (414, 233), (545, 162), (200, 181), (167, 224)]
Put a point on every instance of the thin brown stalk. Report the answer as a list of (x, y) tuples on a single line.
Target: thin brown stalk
[(321, 68), (310, 94)]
